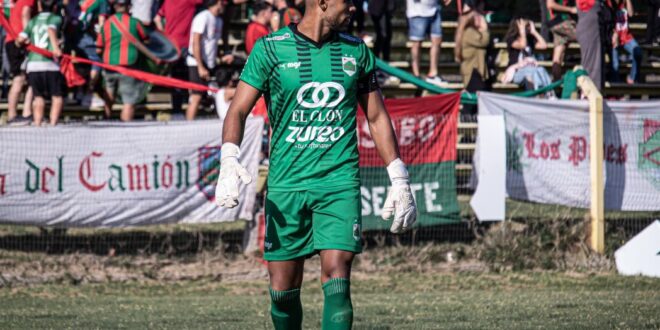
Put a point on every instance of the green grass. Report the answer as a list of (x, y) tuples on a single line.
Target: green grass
[(381, 301)]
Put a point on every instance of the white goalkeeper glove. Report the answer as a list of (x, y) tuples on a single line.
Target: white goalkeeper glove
[(400, 202), (232, 173)]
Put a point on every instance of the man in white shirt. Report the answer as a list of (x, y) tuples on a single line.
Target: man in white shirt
[(205, 34), (144, 11), (423, 19)]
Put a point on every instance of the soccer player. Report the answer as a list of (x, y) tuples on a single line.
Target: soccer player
[(44, 73), (313, 78)]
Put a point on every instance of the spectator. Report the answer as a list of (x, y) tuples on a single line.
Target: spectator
[(18, 19), (588, 36), (228, 14), (89, 17), (206, 33), (286, 14), (522, 39), (116, 51), (357, 20), (4, 73), (653, 22), (562, 26), (381, 14), (179, 15), (226, 89), (262, 13), (474, 43), (624, 39), (144, 11), (44, 73), (424, 17)]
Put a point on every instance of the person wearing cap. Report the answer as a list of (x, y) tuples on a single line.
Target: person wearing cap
[(117, 50)]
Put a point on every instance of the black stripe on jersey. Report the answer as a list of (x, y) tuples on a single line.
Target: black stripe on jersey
[(337, 75), (305, 75), (270, 53)]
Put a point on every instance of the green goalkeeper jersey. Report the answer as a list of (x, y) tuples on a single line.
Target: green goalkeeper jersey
[(311, 91)]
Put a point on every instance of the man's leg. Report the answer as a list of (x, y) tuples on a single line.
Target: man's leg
[(127, 112), (27, 103), (335, 276), (193, 104), (285, 282), (414, 53), (416, 33), (55, 109), (14, 94), (39, 105), (434, 56)]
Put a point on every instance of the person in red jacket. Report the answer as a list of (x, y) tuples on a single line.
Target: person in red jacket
[(262, 13)]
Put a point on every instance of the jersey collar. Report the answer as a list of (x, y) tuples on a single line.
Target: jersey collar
[(294, 29)]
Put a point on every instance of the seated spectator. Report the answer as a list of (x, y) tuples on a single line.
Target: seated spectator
[(522, 40), (111, 42), (562, 26), (622, 38), (226, 83), (286, 14), (205, 34), (44, 73), (262, 13)]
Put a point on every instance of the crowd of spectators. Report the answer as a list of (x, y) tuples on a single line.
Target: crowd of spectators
[(115, 32)]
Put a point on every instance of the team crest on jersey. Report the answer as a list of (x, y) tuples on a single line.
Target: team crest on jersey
[(349, 65), (209, 165)]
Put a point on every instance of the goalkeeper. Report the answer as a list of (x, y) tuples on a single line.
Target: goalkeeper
[(313, 77)]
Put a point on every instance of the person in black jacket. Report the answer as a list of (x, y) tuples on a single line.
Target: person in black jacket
[(381, 14), (653, 22)]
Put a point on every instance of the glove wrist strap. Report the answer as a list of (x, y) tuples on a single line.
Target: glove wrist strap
[(229, 150), (397, 172)]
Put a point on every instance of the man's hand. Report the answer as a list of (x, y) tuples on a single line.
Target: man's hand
[(203, 73), (232, 173), (400, 202), (227, 59)]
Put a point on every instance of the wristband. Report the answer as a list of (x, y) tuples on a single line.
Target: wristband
[(397, 172), (229, 150)]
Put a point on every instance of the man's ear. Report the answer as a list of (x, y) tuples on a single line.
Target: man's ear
[(323, 4)]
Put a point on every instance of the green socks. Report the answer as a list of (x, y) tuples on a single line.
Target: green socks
[(337, 308), (286, 309)]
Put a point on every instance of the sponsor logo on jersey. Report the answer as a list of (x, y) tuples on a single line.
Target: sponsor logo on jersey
[(327, 94), (279, 38), (290, 65), (314, 134), (349, 65)]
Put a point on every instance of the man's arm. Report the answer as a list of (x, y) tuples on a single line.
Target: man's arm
[(553, 5), (380, 125), (197, 54), (26, 15), (244, 99), (55, 42)]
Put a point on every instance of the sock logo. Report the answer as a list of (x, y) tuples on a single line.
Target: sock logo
[(341, 317)]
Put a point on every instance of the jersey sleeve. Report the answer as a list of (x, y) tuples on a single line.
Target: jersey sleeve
[(54, 22), (367, 81), (198, 24), (258, 67)]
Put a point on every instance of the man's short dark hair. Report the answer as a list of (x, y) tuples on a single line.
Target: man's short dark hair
[(48, 5), (210, 3), (260, 6)]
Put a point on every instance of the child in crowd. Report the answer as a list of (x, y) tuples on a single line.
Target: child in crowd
[(44, 73)]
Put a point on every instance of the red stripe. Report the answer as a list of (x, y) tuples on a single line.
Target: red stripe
[(123, 50), (86, 5)]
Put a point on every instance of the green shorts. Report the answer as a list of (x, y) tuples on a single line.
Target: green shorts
[(301, 223)]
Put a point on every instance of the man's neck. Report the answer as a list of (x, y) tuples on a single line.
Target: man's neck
[(314, 29)]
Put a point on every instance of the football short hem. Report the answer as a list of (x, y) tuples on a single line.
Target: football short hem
[(313, 188), (337, 246), (275, 256)]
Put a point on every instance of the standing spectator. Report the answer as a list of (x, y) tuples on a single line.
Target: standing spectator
[(206, 33), (474, 44), (357, 20), (381, 14), (653, 22), (588, 36), (175, 18), (522, 40), (286, 14), (4, 73), (90, 16), (228, 14), (562, 26), (117, 51), (262, 13), (44, 73), (144, 11), (424, 17), (623, 38), (20, 15)]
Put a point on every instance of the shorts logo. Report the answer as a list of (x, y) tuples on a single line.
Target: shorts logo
[(349, 65), (321, 94), (356, 230), (209, 169)]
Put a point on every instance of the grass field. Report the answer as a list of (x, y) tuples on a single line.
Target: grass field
[(382, 301)]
